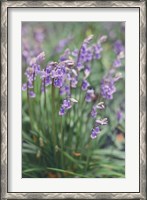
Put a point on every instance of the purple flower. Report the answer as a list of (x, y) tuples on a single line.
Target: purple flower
[(75, 53), (117, 63), (66, 104), (60, 70), (85, 53), (30, 84), (24, 87), (62, 111), (119, 115), (40, 57), (118, 47), (49, 68), (97, 50), (80, 66), (94, 112), (48, 81), (58, 82), (89, 95), (37, 69), (107, 88), (29, 72), (95, 131), (85, 85), (87, 71), (53, 73), (65, 90), (43, 74), (74, 82), (32, 94)]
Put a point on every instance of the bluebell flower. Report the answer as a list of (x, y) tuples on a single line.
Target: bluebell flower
[(66, 104), (89, 95), (65, 90), (85, 85), (117, 63), (30, 84), (118, 47), (32, 94), (95, 131), (49, 68), (108, 88), (97, 51), (62, 111), (48, 81), (40, 57), (58, 82), (119, 115), (94, 112), (74, 82), (24, 87), (87, 71)]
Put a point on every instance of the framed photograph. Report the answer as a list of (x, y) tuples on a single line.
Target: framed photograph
[(73, 93)]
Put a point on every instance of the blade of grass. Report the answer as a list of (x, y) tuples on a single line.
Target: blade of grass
[(66, 171)]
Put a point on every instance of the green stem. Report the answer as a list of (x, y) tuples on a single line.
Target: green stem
[(53, 116), (62, 143), (45, 105), (29, 107), (44, 95), (88, 157)]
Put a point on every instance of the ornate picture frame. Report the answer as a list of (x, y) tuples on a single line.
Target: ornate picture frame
[(5, 5)]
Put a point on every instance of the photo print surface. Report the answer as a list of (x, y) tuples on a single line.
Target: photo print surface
[(73, 99)]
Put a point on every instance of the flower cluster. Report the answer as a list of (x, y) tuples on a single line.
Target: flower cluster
[(108, 82), (96, 130), (119, 51), (95, 108), (73, 69), (31, 72), (87, 53), (108, 88), (99, 122), (66, 105)]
